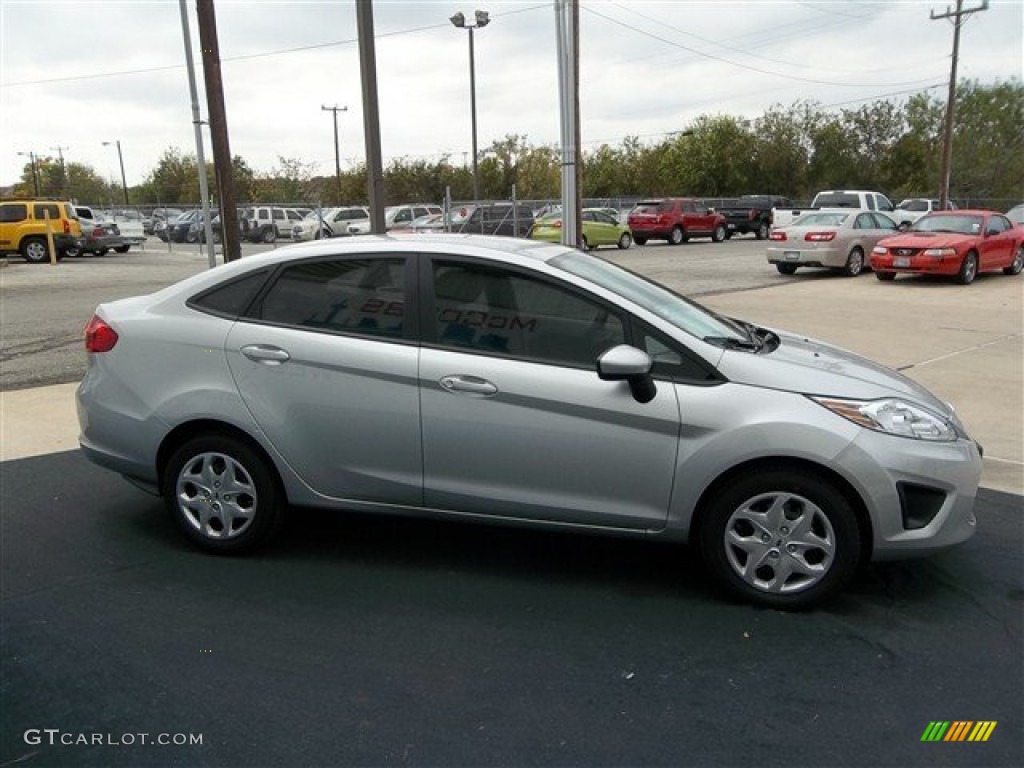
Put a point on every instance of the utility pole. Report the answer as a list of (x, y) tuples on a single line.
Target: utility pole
[(65, 182), (371, 115), (207, 19), (959, 17), (337, 152)]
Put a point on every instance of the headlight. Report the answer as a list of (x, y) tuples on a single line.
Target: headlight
[(940, 252), (881, 250), (894, 417)]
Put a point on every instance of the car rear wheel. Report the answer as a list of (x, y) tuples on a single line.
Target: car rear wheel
[(625, 241), (586, 245), (786, 269), (34, 250), (968, 269), (675, 237), (640, 240), (1017, 264), (762, 231), (269, 235), (122, 248), (719, 234), (192, 237), (854, 263), (781, 537), (222, 493), (102, 251)]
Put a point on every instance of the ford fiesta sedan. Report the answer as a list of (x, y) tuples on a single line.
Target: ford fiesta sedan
[(506, 380)]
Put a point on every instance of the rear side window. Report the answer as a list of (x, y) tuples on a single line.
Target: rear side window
[(232, 298), (11, 212), (42, 209), (365, 296)]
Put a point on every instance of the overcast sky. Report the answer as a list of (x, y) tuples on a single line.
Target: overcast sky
[(75, 74)]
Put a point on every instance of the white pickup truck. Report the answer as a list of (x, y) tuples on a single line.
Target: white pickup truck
[(834, 198)]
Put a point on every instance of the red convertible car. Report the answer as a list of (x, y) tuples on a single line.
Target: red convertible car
[(956, 243)]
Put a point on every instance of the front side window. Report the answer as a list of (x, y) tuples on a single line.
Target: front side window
[(278, 214), (998, 224), (503, 312), (363, 296), (11, 212)]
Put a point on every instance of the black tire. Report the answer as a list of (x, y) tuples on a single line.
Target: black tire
[(72, 252), (102, 251), (122, 248), (1017, 264), (763, 230), (885, 277), (781, 537), (786, 269), (968, 269), (719, 234), (625, 241), (269, 235), (676, 236), (639, 240), (854, 262), (219, 460), (586, 245), (192, 237), (34, 250)]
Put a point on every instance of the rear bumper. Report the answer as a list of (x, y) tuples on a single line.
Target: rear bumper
[(818, 257)]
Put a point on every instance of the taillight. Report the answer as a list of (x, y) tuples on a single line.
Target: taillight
[(99, 337), (752, 214), (67, 226), (777, 234), (819, 237)]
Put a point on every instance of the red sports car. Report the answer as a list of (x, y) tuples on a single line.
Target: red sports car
[(958, 243)]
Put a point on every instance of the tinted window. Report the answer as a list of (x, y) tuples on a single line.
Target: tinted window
[(277, 213), (230, 298), (836, 200), (864, 221), (883, 222), (42, 209), (13, 212), (501, 312), (998, 224), (365, 296)]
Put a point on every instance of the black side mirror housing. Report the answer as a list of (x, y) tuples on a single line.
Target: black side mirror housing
[(632, 365)]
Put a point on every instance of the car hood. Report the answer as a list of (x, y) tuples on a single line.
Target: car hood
[(811, 367), (927, 240)]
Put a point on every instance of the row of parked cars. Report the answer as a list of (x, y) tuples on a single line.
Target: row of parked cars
[(955, 243)]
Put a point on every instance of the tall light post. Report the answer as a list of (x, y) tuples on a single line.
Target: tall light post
[(482, 20), (337, 152), (120, 158), (35, 174), (65, 182)]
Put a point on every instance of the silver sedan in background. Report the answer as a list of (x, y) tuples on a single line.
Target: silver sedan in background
[(509, 381), (837, 239)]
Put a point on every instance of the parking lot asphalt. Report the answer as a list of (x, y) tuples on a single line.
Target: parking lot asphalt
[(965, 343)]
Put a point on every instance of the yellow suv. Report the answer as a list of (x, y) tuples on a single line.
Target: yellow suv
[(23, 228)]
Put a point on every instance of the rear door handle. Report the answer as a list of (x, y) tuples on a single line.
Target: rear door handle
[(469, 385), (265, 353)]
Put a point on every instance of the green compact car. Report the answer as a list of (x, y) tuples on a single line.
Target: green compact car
[(599, 228)]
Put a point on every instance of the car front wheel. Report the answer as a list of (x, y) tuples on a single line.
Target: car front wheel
[(222, 493), (762, 231), (719, 234), (781, 538), (968, 269), (625, 241)]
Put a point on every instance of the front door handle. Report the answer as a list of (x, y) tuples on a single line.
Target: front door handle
[(266, 354), (469, 385)]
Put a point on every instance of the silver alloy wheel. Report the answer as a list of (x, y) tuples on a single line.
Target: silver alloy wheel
[(780, 542), (216, 495), (1017, 264), (36, 251)]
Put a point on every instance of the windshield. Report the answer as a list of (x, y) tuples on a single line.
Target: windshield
[(821, 220), (836, 200), (963, 225), (684, 314)]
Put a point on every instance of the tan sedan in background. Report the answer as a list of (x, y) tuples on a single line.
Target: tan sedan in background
[(836, 239)]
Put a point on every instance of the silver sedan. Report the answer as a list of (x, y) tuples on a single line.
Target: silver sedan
[(837, 239), (506, 380)]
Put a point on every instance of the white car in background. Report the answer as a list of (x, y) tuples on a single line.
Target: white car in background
[(329, 222), (913, 208), (397, 217)]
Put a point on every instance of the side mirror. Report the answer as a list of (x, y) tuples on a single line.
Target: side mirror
[(632, 365)]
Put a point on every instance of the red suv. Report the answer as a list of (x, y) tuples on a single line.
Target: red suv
[(675, 219)]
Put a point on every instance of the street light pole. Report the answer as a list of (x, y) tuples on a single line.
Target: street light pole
[(65, 182), (120, 158), (337, 152), (482, 20), (35, 174)]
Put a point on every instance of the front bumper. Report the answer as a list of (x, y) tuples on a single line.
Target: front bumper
[(916, 265)]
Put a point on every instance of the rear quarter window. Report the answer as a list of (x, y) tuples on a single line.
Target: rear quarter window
[(12, 212), (232, 298)]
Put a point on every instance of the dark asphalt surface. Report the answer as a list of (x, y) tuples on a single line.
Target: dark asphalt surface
[(380, 642)]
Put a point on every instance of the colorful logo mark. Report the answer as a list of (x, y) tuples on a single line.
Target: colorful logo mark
[(958, 730)]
